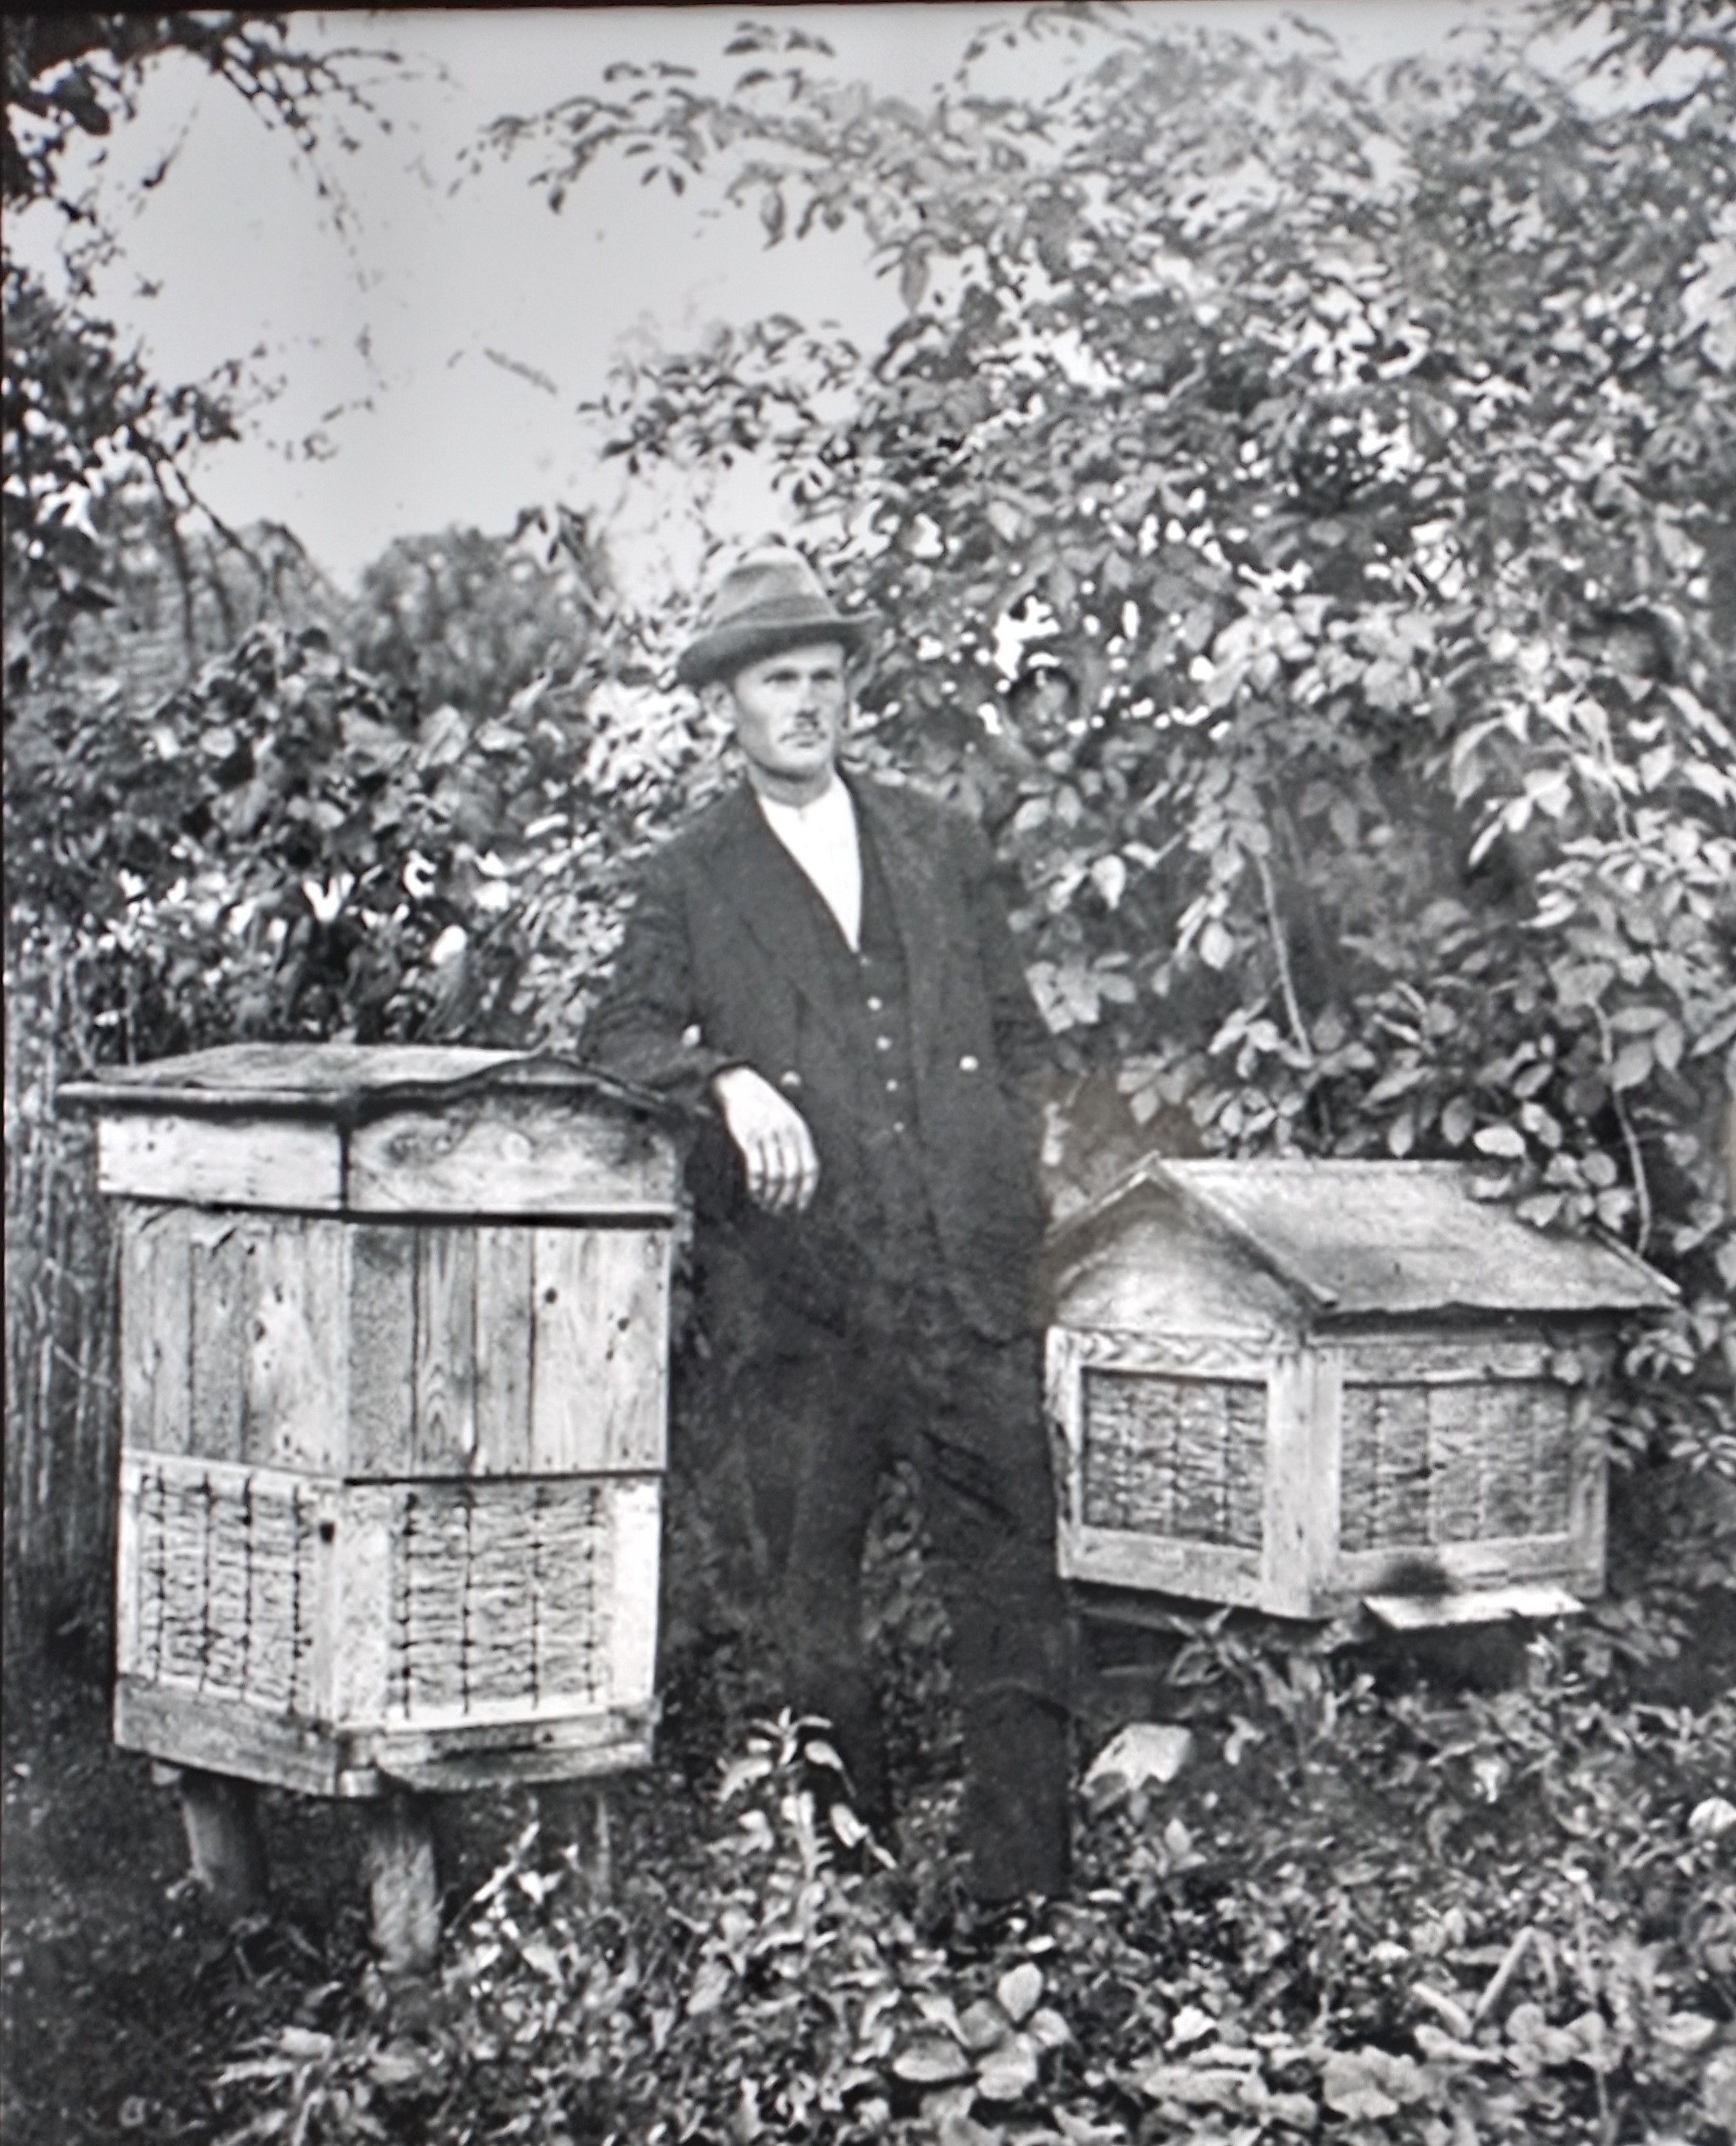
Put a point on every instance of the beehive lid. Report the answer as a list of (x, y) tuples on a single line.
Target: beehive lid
[(339, 1082), (375, 1129), (1368, 1238)]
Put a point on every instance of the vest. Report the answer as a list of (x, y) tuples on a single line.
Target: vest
[(893, 1230)]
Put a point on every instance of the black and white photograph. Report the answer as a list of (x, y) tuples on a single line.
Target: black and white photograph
[(870, 1075)]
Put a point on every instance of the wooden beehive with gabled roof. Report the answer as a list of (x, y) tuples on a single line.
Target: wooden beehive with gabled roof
[(394, 1336), (1300, 1386)]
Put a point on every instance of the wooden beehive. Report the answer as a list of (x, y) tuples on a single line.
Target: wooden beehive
[(394, 1337), (1303, 1386)]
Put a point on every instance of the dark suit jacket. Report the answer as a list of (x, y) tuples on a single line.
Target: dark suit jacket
[(721, 965)]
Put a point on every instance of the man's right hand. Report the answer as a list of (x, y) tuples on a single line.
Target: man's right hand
[(777, 1148)]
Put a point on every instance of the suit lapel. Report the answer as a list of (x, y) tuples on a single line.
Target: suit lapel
[(907, 868), (758, 878)]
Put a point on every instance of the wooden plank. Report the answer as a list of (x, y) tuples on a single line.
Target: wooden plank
[(217, 1247), (1223, 1356), (155, 1329), (1589, 1497), (189, 1729), (505, 1322), (1303, 1460), (1421, 1358), (445, 1440), (221, 1162), (597, 1399), (361, 1665), (1200, 1572), (464, 1772), (573, 1729), (1496, 1562), (294, 1374), (636, 1534), (128, 1648), (1063, 1379), (382, 1413), (500, 1156), (1480, 1605)]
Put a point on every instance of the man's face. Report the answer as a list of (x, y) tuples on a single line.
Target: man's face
[(788, 710)]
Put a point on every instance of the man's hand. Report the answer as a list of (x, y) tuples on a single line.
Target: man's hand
[(777, 1146)]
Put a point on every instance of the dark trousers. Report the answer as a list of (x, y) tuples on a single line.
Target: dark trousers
[(822, 1417)]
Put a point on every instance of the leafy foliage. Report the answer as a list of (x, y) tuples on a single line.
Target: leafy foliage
[(1408, 1920), (1368, 465)]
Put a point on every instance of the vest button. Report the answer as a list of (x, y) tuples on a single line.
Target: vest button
[(883, 1043), (875, 1004), (967, 1063), (891, 1087)]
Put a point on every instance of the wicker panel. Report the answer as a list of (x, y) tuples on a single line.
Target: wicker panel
[(226, 1583), (1178, 1457), (1448, 1463), (501, 1593)]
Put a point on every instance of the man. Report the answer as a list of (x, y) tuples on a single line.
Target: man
[(824, 962)]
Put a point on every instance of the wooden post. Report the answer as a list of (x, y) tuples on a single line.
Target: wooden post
[(570, 1811), (403, 1882), (222, 1817)]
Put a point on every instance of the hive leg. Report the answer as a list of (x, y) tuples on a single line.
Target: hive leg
[(224, 1841), (403, 1882), (576, 1813)]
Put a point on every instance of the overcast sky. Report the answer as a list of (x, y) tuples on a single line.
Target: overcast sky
[(437, 348)]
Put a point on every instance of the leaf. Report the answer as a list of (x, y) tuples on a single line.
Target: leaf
[(1217, 949), (1197, 2086), (982, 2026), (1108, 876), (932, 2060), (1499, 1140), (710, 1986), (1047, 2029), (1019, 1990), (1349, 2086), (1633, 1062), (1456, 1121), (1006, 2073)]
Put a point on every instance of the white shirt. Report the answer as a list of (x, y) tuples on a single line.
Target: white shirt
[(821, 837)]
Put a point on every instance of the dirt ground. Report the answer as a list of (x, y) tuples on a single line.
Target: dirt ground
[(122, 1995)]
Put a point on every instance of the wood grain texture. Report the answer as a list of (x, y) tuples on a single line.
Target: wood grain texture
[(155, 1329), (505, 1323), (1421, 1359), (381, 1426), (445, 1351), (362, 1658), (217, 1247), (635, 1535), (296, 1369), (504, 1156), (1204, 1572), (1303, 1463), (597, 1396), (189, 1729), (221, 1162)]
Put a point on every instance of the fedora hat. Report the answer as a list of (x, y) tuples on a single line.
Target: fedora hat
[(771, 598)]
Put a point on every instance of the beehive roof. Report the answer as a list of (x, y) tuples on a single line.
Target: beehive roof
[(1394, 1237), (335, 1080)]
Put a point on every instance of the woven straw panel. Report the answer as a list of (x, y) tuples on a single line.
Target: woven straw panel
[(1449, 1463), (227, 1585), (501, 1591), (1184, 1458)]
